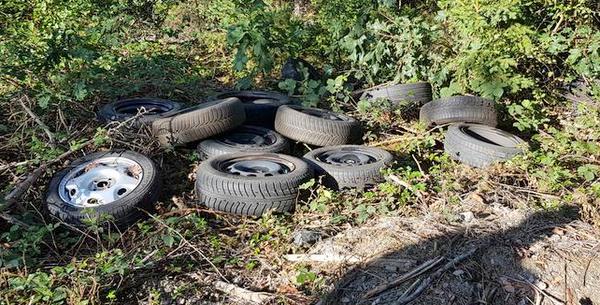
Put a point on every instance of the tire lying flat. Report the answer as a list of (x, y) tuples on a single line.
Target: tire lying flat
[(481, 145), (455, 109), (251, 183), (199, 122), (317, 126), (243, 139), (260, 106), (349, 166), (121, 184), (125, 109), (401, 95)]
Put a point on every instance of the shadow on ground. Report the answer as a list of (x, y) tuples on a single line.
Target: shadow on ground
[(496, 273)]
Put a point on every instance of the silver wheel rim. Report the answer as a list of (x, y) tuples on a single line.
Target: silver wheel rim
[(257, 167), (248, 137), (346, 157), (100, 181)]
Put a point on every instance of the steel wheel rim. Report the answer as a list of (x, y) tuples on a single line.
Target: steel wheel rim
[(132, 107), (100, 181), (256, 166), (248, 138), (347, 157)]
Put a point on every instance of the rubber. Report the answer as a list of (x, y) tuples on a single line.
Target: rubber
[(253, 196), (481, 145), (314, 130), (125, 211), (359, 176), (122, 110), (414, 94), (260, 106), (455, 109), (218, 146), (199, 122)]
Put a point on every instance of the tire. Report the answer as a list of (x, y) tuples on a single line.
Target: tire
[(401, 95), (260, 106), (243, 139), (481, 145), (125, 109), (250, 195), (199, 122), (125, 210), (316, 126), (455, 109), (340, 174)]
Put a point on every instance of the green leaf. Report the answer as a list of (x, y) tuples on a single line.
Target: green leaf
[(168, 240)]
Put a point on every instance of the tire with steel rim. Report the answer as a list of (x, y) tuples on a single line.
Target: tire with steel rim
[(260, 106), (481, 145), (243, 139), (120, 184), (251, 183), (125, 109), (455, 109), (349, 166), (199, 122), (315, 126)]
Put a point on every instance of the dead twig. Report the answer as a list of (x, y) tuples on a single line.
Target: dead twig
[(422, 268), (424, 284), (322, 258)]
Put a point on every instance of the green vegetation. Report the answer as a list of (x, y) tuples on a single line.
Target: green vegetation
[(62, 59)]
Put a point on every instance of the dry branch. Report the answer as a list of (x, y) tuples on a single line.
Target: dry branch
[(243, 294), (322, 258), (50, 135), (424, 267), (427, 281)]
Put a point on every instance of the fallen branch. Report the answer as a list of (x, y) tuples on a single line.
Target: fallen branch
[(322, 258), (409, 297), (243, 294), (422, 268)]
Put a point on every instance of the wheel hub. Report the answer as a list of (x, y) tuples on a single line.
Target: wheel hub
[(245, 138), (346, 158), (99, 182), (257, 168)]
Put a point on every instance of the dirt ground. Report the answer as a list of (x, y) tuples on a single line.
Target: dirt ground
[(520, 257)]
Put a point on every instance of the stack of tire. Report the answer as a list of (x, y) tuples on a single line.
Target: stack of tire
[(471, 137), (245, 169), (248, 171)]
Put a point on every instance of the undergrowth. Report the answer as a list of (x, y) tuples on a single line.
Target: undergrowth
[(63, 59)]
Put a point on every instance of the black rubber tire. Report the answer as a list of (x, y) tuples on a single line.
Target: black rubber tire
[(125, 109), (481, 145), (401, 95), (296, 123), (229, 143), (125, 211), (357, 176), (260, 106), (200, 122), (455, 109), (244, 195)]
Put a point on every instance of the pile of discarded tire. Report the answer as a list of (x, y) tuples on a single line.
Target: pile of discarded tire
[(243, 142)]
